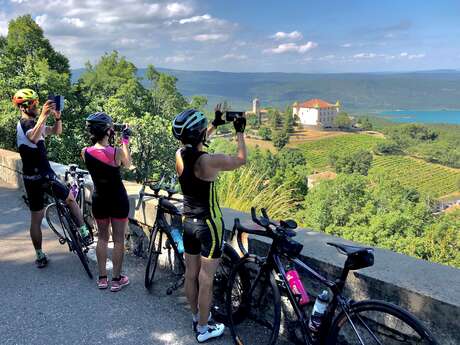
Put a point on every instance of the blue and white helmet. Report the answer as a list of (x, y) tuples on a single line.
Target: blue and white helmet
[(190, 127)]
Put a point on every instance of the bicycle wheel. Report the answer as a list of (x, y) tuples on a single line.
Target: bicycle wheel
[(54, 221), (74, 237), (378, 323), (253, 304), (228, 260), (154, 251)]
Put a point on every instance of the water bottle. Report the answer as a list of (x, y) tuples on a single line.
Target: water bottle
[(177, 238), (317, 315), (74, 190), (296, 284)]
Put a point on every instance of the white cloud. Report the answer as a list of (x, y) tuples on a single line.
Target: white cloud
[(77, 22), (365, 56), (196, 19), (416, 56), (175, 9), (411, 56), (292, 48), (346, 45), (234, 57), (210, 37), (178, 59), (327, 57), (288, 36)]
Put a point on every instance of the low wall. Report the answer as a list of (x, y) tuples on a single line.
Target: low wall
[(429, 290)]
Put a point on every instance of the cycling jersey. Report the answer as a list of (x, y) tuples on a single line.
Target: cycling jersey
[(34, 157), (36, 168), (110, 199), (203, 225)]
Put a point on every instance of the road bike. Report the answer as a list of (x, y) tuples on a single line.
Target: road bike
[(61, 221), (161, 239), (257, 283)]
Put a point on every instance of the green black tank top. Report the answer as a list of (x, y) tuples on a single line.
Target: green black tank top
[(200, 197)]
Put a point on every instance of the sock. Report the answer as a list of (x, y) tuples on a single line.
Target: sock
[(196, 317), (116, 279), (39, 254), (84, 230), (202, 329)]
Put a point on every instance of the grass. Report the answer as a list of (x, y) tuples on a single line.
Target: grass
[(246, 187)]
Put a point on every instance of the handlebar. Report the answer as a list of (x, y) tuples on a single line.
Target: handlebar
[(156, 187), (272, 230)]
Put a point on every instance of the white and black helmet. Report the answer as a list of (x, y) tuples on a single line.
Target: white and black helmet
[(190, 127)]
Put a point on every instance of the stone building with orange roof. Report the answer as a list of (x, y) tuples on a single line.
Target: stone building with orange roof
[(316, 112)]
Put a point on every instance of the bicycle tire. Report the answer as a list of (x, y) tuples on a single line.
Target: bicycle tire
[(365, 317), (228, 260), (75, 241), (54, 221), (244, 318), (154, 252)]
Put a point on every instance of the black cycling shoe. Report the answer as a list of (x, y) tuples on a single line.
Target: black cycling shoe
[(42, 262), (87, 240)]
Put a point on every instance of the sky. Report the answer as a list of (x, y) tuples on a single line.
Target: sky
[(304, 36)]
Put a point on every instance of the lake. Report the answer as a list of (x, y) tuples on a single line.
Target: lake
[(423, 116)]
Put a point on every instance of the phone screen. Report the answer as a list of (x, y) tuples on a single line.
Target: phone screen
[(59, 101), (232, 115)]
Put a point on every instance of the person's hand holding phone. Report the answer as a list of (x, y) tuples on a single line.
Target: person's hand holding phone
[(240, 124), (218, 120), (48, 107)]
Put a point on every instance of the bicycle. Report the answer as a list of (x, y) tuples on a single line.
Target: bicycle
[(62, 223), (162, 228), (77, 187), (257, 306)]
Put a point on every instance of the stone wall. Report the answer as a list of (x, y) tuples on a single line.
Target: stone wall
[(428, 290)]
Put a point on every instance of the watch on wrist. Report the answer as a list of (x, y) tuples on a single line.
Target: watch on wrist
[(58, 119)]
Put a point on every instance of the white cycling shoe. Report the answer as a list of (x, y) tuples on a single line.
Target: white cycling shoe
[(213, 331)]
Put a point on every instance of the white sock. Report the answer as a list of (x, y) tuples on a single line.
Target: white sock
[(196, 317), (202, 329)]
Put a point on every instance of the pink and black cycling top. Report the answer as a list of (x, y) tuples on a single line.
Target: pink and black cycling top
[(110, 199)]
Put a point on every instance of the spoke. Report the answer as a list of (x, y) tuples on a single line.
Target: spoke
[(369, 330), (354, 328)]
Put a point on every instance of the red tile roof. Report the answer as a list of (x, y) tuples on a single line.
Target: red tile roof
[(314, 103)]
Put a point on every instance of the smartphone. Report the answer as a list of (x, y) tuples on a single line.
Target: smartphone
[(230, 116), (58, 100)]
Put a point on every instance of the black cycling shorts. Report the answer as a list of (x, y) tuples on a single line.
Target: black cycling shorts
[(116, 206), (36, 189), (204, 236)]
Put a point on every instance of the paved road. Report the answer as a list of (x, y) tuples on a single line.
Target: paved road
[(60, 305)]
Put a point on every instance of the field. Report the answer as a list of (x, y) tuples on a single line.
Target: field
[(317, 152), (433, 179)]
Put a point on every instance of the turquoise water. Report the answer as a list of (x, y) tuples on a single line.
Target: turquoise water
[(423, 116)]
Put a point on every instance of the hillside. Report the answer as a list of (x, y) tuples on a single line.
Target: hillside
[(359, 92), (433, 179)]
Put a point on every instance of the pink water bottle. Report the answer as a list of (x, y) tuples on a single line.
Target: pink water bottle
[(296, 284)]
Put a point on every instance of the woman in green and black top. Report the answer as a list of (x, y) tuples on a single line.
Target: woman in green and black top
[(203, 223)]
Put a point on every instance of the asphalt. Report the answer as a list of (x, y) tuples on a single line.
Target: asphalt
[(61, 305)]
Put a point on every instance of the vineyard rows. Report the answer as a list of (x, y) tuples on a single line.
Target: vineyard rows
[(433, 179)]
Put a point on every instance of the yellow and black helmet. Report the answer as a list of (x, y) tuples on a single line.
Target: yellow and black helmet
[(25, 97)]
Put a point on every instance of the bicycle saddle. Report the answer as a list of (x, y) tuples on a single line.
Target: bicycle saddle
[(347, 249)]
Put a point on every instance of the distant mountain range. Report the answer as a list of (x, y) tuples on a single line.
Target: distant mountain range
[(358, 92)]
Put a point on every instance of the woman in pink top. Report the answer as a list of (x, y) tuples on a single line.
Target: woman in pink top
[(110, 200)]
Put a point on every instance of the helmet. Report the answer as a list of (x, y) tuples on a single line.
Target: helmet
[(99, 121), (25, 96), (190, 126)]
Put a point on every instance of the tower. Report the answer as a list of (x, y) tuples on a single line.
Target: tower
[(256, 108)]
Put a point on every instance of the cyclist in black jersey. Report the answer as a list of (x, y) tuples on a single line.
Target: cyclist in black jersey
[(110, 200), (203, 223), (38, 176)]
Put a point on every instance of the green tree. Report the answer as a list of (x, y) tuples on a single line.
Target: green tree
[(358, 162), (265, 133), (275, 118), (342, 121), (280, 139), (288, 120)]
